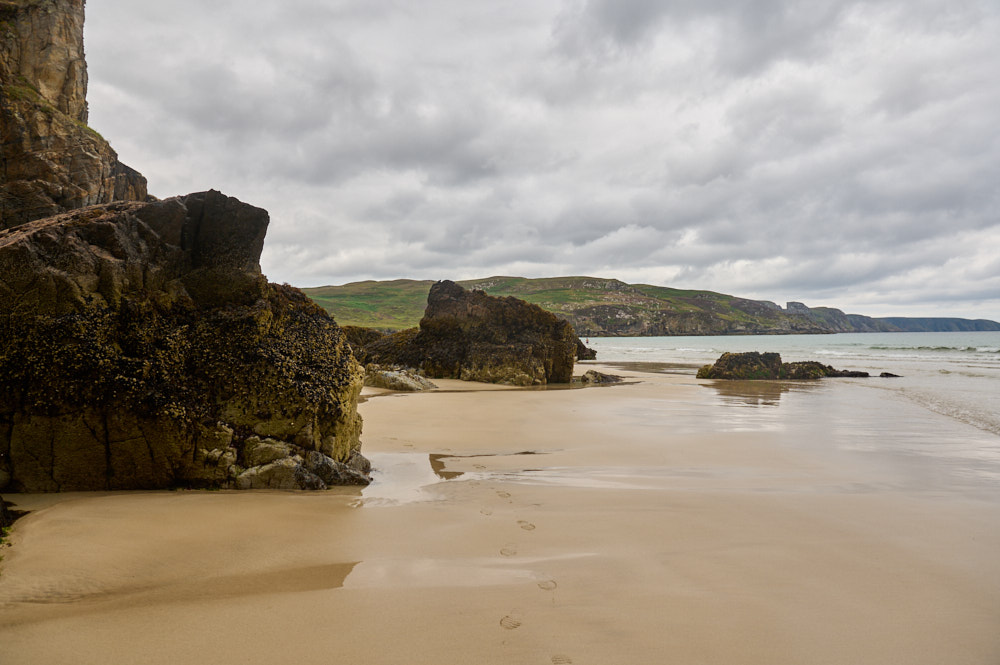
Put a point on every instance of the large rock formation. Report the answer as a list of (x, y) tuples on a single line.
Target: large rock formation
[(475, 337), (50, 160), (756, 366), (142, 348)]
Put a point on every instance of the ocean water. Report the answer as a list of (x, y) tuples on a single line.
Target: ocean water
[(942, 377)]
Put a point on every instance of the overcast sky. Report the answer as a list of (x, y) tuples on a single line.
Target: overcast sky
[(833, 152)]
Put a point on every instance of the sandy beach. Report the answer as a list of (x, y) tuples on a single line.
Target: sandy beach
[(662, 521)]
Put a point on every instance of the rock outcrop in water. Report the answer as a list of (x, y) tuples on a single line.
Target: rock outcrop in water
[(757, 366), (471, 336), (143, 348), (50, 160)]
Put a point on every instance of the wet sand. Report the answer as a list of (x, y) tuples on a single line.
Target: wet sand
[(661, 521)]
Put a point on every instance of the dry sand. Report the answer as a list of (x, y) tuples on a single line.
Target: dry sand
[(657, 522)]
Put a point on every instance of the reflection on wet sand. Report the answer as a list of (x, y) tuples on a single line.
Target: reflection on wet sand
[(650, 367), (758, 393), (438, 461)]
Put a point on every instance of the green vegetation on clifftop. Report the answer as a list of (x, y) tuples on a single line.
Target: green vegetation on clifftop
[(595, 306), (608, 307)]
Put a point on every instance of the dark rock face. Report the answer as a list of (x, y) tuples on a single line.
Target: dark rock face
[(471, 336), (50, 161), (361, 338), (6, 519), (761, 366), (584, 352), (142, 348)]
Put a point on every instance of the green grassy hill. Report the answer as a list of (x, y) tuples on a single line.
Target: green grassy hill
[(608, 307), (391, 305), (594, 306)]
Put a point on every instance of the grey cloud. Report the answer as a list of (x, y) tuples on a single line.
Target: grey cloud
[(758, 148)]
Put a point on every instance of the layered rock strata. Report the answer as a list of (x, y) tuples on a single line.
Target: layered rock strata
[(143, 348), (471, 336), (50, 160)]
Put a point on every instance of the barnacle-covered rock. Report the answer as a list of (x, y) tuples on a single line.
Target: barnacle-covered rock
[(142, 348)]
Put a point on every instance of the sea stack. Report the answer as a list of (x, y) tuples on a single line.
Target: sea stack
[(473, 336)]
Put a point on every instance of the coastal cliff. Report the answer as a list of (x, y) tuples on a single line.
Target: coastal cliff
[(595, 307), (598, 307), (472, 336), (50, 160), (143, 348)]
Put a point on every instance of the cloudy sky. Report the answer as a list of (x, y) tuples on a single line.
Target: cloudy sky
[(835, 152)]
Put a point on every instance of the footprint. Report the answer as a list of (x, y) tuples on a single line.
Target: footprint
[(547, 585), (527, 526), (503, 495), (479, 467), (559, 659), (486, 511), (508, 550), (510, 622)]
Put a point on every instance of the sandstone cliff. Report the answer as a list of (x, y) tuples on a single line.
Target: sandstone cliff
[(142, 348), (50, 160), (475, 337)]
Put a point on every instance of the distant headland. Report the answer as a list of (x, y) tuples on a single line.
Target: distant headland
[(599, 307)]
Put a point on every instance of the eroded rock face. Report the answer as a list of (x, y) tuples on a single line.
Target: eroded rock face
[(143, 348), (471, 336), (51, 161)]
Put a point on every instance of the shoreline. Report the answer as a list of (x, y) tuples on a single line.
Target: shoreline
[(657, 519)]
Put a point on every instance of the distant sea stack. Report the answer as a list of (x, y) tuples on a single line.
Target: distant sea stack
[(51, 160), (143, 348), (755, 366), (476, 337)]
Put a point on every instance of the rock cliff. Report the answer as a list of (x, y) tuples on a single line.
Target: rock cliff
[(143, 348), (50, 160), (475, 337)]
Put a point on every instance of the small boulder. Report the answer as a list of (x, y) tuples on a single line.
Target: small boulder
[(257, 451), (284, 474), (599, 378), (396, 379), (333, 473)]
